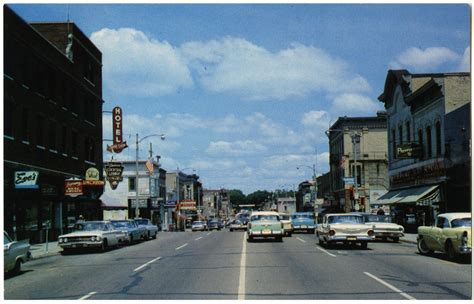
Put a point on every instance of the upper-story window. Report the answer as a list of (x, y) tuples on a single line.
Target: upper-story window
[(428, 142), (74, 143), (25, 125), (89, 70), (52, 84), (8, 118), (64, 138), (394, 145), (438, 138), (89, 111), (407, 124), (52, 135), (131, 184), (40, 130), (89, 149), (400, 134), (420, 141)]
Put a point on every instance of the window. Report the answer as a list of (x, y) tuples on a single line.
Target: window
[(438, 139), (8, 119), (52, 85), (73, 101), (428, 142), (89, 149), (400, 134), (52, 135), (420, 141), (64, 139), (378, 169), (408, 131), (131, 184), (74, 143), (25, 118), (394, 145), (40, 130), (89, 113)]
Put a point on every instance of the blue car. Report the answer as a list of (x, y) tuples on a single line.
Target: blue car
[(303, 221)]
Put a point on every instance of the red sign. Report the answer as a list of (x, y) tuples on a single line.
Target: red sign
[(93, 183), (119, 144), (73, 188)]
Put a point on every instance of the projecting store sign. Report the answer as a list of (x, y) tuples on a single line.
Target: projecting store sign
[(113, 173), (92, 178), (73, 188), (119, 144), (409, 150), (26, 179)]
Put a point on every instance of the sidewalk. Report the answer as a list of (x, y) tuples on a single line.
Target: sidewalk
[(409, 238), (40, 251)]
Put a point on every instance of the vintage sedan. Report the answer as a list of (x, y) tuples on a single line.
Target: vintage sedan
[(213, 224), (15, 253), (383, 226), (265, 224), (151, 230), (132, 233), (199, 226), (287, 224), (303, 221), (344, 227), (450, 234), (237, 225), (90, 234)]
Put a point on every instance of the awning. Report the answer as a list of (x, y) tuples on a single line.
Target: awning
[(111, 202), (421, 196)]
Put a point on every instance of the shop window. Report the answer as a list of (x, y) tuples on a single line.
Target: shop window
[(438, 139), (25, 122), (131, 184), (428, 142)]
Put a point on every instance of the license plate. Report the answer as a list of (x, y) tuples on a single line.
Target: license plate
[(266, 232), (351, 238), (73, 246), (304, 226)]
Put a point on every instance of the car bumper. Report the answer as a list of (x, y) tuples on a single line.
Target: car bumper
[(80, 245), (303, 227), (350, 238), (271, 233), (465, 250), (388, 234)]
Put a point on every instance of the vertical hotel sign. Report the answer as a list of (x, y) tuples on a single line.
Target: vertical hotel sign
[(117, 122)]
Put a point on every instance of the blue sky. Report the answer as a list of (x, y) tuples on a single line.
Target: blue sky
[(244, 92)]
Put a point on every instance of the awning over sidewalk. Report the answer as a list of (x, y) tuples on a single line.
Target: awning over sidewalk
[(421, 196), (111, 202)]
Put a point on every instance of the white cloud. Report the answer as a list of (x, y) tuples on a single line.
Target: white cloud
[(426, 59), (235, 148), (465, 65), (234, 65), (316, 119), (351, 104), (134, 64)]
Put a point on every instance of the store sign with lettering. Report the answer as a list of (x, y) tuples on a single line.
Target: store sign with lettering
[(113, 172), (73, 188), (26, 179), (408, 150), (119, 144)]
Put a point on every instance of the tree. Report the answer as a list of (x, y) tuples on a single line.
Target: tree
[(237, 197), (258, 197)]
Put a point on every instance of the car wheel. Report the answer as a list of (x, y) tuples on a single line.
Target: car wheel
[(131, 238), (363, 245), (156, 234), (279, 239), (452, 255), (422, 248), (17, 267), (249, 239), (148, 236), (289, 234), (231, 230), (396, 239), (104, 245)]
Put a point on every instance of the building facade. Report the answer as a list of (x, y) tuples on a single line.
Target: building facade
[(428, 145), (286, 205), (358, 161), (52, 126), (215, 203)]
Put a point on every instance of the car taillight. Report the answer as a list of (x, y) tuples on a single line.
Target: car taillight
[(464, 238), (370, 232), (332, 232)]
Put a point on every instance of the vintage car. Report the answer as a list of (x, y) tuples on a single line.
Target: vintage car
[(129, 230), (237, 225), (303, 221), (344, 227), (450, 234), (15, 253), (265, 224), (214, 224), (151, 230), (287, 224), (90, 234), (199, 226), (383, 226)]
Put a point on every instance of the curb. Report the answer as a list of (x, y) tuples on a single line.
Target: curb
[(43, 255)]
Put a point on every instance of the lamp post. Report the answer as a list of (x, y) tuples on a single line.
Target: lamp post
[(162, 136)]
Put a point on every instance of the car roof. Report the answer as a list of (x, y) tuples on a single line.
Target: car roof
[(264, 213), (342, 214), (454, 215)]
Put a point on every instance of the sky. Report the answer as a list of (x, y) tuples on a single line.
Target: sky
[(244, 92)]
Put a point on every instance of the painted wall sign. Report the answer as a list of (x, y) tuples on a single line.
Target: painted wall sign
[(26, 179), (408, 150), (73, 188), (119, 144)]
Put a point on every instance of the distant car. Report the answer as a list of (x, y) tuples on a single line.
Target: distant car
[(265, 224), (129, 230), (199, 226), (344, 227), (214, 224), (151, 230), (451, 234), (15, 253), (287, 224), (90, 234), (303, 221), (237, 225), (383, 226)]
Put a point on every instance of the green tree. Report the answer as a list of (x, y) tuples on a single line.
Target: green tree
[(237, 197), (258, 197)]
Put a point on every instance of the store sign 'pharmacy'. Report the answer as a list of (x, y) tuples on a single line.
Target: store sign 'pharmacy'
[(26, 179)]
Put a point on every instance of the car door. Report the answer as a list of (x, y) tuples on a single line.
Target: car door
[(9, 258), (435, 237)]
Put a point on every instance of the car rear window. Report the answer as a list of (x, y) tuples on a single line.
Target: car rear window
[(345, 219), (461, 222)]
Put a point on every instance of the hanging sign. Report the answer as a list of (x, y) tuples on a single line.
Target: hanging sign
[(26, 179), (119, 144), (113, 171), (73, 188), (92, 178)]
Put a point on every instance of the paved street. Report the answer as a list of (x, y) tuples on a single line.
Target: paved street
[(222, 265)]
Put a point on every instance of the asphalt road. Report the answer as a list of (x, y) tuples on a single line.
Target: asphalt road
[(222, 265)]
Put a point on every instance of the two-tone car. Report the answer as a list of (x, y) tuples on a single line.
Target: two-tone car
[(450, 234), (344, 228), (265, 224), (151, 231), (129, 230), (285, 219), (90, 234), (15, 253), (303, 221), (383, 226)]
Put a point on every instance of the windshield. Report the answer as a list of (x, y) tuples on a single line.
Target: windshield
[(302, 216), (461, 222), (89, 226), (345, 219), (122, 224), (198, 223), (378, 218), (264, 218), (6, 239), (142, 222), (284, 217)]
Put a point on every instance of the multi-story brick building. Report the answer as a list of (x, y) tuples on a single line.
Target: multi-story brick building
[(52, 125)]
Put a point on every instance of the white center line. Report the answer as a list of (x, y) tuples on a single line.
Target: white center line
[(301, 240), (243, 259), (146, 264), (390, 286), (321, 249), (90, 294), (198, 238), (208, 233), (182, 246)]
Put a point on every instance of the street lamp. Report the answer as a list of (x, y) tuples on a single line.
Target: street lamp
[(162, 136)]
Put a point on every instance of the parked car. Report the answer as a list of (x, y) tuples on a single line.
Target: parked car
[(90, 234), (15, 253), (303, 221), (450, 234), (344, 227), (129, 230), (199, 226), (265, 224), (151, 230), (237, 225), (383, 226), (214, 224), (285, 219)]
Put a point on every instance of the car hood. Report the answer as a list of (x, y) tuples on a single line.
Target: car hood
[(303, 222), (82, 233)]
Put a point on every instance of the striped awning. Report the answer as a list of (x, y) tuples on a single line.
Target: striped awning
[(420, 195)]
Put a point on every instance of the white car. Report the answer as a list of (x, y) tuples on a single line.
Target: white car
[(383, 226), (90, 234), (151, 230), (344, 227), (14, 254), (199, 226)]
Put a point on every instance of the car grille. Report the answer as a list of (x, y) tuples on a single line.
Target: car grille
[(387, 229), (78, 239)]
